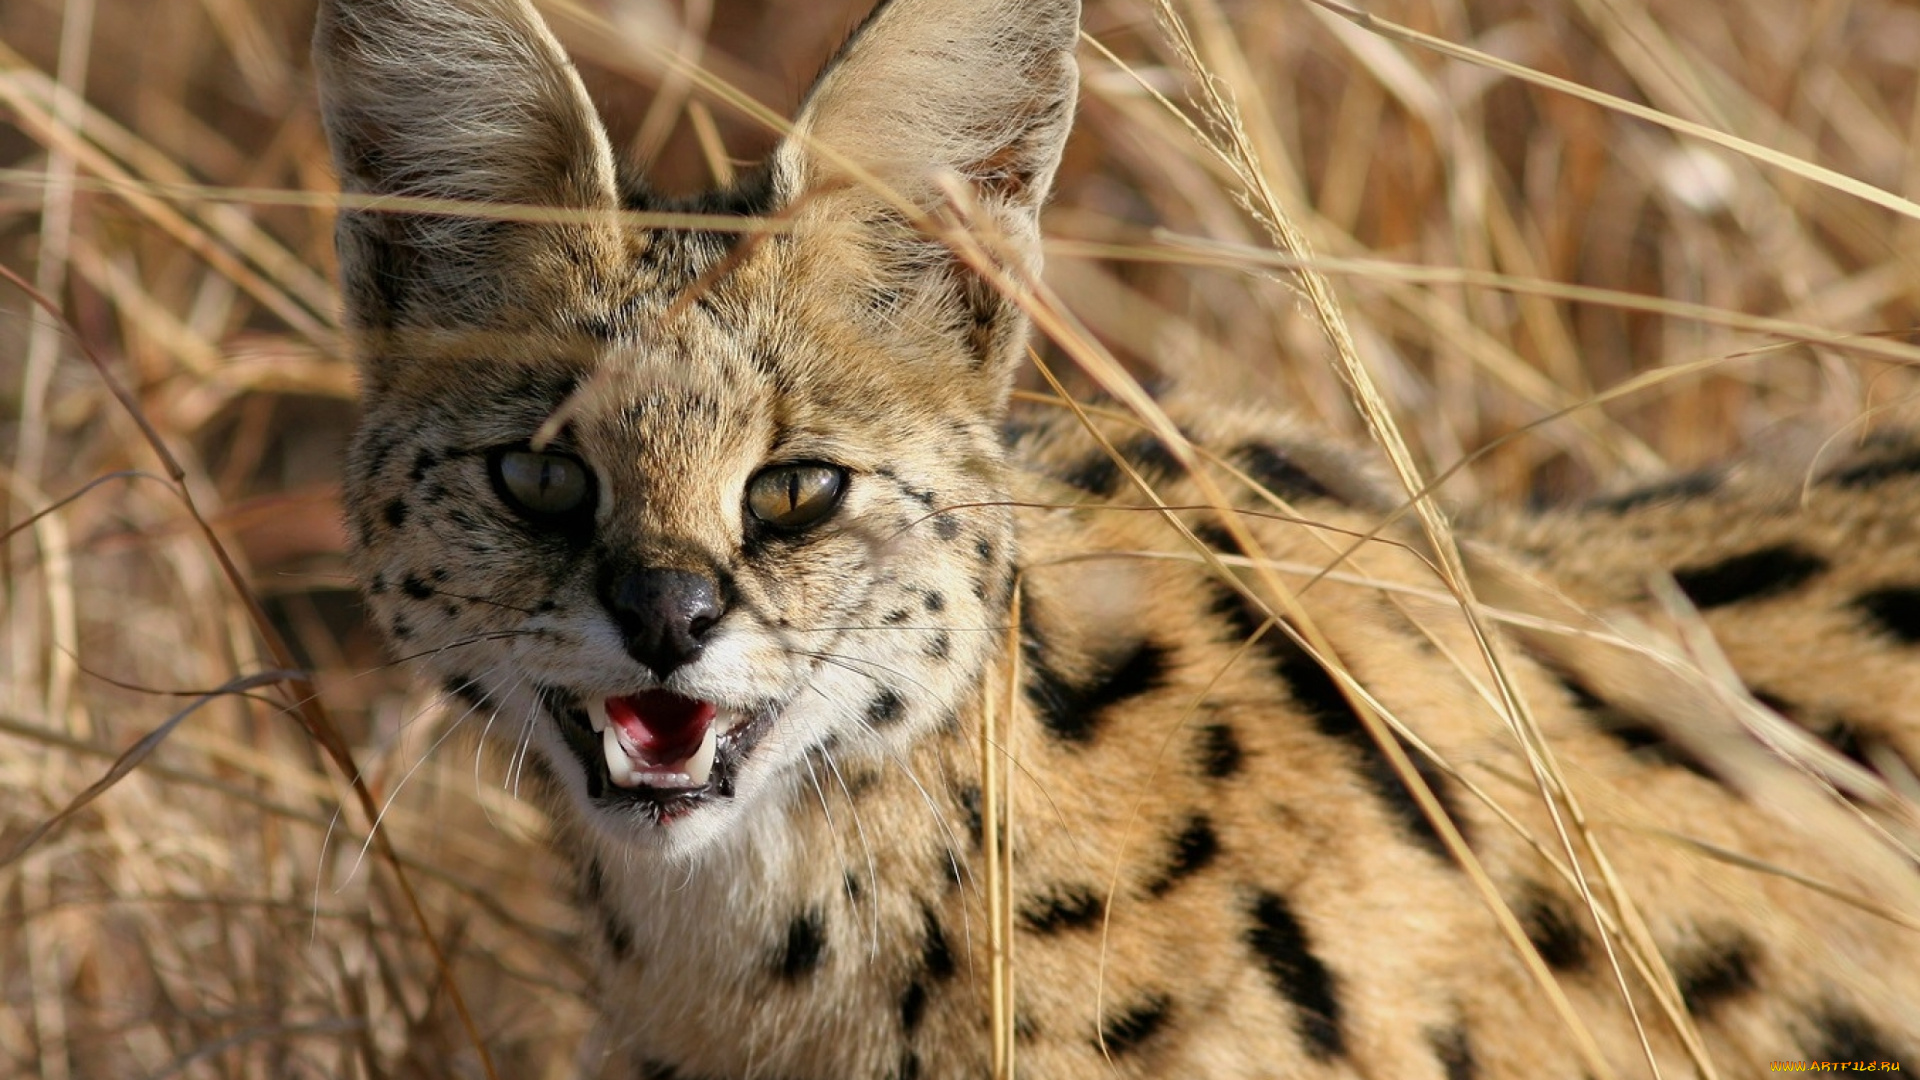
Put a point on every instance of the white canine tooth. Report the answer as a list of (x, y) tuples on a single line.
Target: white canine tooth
[(700, 765), (597, 713), (619, 766)]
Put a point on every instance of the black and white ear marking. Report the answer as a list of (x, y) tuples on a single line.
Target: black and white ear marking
[(982, 90), (462, 101)]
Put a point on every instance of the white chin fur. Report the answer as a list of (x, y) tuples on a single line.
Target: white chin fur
[(691, 773)]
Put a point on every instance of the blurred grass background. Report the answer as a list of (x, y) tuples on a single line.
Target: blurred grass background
[(163, 179)]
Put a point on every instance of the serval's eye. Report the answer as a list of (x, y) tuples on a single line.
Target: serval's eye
[(543, 486), (796, 496)]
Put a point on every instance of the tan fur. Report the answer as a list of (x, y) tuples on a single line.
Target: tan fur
[(1217, 871)]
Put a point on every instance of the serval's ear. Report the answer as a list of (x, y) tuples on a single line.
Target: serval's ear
[(461, 102), (979, 89)]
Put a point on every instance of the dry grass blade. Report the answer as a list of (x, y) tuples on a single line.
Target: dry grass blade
[(135, 756), (1560, 241)]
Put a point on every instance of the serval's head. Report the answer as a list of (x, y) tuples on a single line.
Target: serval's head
[(683, 510)]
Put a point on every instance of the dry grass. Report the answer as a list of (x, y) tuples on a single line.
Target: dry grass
[(1503, 253)]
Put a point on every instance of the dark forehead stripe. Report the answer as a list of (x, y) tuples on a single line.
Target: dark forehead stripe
[(1122, 1032), (1754, 575), (1317, 694), (1894, 610), (1284, 951), (1718, 969)]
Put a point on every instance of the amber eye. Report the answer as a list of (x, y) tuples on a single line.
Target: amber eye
[(542, 485), (796, 496)]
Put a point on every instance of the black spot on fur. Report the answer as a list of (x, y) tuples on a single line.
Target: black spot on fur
[(1218, 539), (1196, 846), (805, 947), (909, 1067), (380, 446), (1299, 976), (1218, 749), (1095, 474), (1637, 735), (396, 513), (422, 462), (1316, 692), (466, 689), (1848, 737), (1455, 1052), (1556, 931), (1065, 908), (592, 882), (1073, 711), (1280, 474), (1869, 473), (1755, 575), (1842, 1034), (1676, 489), (1151, 458), (969, 798), (618, 937), (1716, 970), (913, 1006), (1894, 611), (1121, 1033), (895, 618), (926, 498), (936, 955), (941, 647), (936, 602), (946, 526), (416, 588), (886, 710), (654, 1070), (936, 964)]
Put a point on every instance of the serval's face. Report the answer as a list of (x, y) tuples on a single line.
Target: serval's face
[(686, 513)]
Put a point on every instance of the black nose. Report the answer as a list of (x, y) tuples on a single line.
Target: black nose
[(665, 615)]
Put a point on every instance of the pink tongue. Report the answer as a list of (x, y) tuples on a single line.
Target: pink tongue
[(664, 729)]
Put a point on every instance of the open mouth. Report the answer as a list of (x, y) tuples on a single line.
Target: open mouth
[(657, 750)]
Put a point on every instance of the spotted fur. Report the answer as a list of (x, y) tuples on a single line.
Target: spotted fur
[(1223, 866)]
